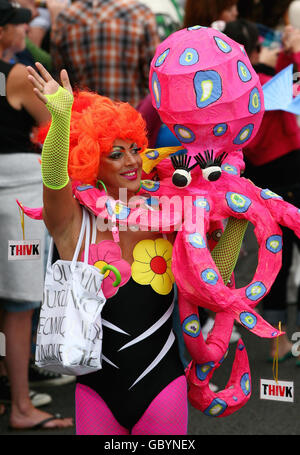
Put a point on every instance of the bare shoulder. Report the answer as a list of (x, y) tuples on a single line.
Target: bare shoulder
[(18, 85), (21, 95), (18, 76), (19, 82)]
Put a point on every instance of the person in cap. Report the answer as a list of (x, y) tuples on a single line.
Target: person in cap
[(12, 14)]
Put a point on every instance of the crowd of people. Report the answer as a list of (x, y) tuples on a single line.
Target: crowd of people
[(106, 46)]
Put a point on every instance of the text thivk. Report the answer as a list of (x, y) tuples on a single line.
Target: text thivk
[(278, 391), (24, 249)]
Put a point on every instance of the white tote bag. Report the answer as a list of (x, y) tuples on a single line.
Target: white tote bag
[(69, 337)]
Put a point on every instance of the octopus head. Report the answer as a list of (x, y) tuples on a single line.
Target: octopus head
[(206, 92)]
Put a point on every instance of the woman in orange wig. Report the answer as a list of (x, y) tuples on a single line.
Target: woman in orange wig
[(141, 388), (95, 122)]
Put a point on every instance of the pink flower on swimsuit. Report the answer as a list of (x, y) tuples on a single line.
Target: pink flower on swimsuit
[(109, 252)]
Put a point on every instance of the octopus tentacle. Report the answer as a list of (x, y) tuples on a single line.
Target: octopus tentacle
[(203, 286), (203, 278), (282, 211), (236, 393), (217, 342), (207, 356)]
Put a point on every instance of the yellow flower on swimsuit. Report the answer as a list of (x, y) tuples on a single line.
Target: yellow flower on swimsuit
[(152, 265)]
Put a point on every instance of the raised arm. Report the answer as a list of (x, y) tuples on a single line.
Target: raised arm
[(61, 210)]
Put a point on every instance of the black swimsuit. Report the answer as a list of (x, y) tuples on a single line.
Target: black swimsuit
[(132, 377)]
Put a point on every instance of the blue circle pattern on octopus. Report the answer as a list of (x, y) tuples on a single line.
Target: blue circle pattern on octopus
[(244, 135), (191, 326), (203, 370), (152, 155), (268, 194), (254, 101), (210, 276), (202, 203), (243, 72), (161, 58), (238, 202), (229, 168), (274, 243), (85, 187), (189, 57), (208, 87), (222, 358), (195, 27), (196, 240), (121, 211), (222, 45), (152, 202), (184, 134), (216, 408), (220, 129), (256, 290), (246, 384), (156, 89), (150, 185), (248, 319), (243, 50)]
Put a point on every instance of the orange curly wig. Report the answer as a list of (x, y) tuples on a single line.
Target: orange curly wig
[(96, 122)]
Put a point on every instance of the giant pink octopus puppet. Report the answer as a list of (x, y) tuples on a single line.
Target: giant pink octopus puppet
[(206, 91)]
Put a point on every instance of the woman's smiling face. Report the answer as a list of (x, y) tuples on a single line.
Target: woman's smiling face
[(121, 168)]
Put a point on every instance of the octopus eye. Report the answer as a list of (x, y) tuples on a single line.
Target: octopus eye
[(181, 178), (211, 168), (182, 175), (212, 173)]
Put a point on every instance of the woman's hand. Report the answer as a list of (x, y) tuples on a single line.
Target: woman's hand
[(55, 7), (44, 84)]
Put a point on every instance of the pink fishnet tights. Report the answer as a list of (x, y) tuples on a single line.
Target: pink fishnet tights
[(167, 413)]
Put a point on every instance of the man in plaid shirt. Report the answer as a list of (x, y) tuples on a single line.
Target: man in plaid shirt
[(106, 46)]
